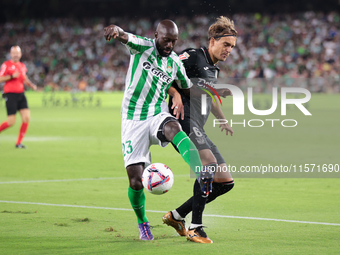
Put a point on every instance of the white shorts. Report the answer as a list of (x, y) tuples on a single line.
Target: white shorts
[(137, 137)]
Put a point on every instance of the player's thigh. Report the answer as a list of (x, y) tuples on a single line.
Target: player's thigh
[(199, 138), (222, 174), (160, 125), (11, 119), (25, 115), (207, 157), (214, 150), (22, 102), (135, 142)]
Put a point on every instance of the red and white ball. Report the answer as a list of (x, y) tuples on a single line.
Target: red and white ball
[(157, 178)]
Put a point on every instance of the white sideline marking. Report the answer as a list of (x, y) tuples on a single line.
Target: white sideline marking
[(75, 180), (154, 211), (38, 138), (65, 180), (49, 138)]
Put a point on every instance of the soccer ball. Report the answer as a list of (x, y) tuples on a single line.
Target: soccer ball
[(157, 178)]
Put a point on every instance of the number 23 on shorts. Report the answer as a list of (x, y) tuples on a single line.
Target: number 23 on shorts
[(127, 148)]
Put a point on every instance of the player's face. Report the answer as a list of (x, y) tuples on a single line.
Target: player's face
[(15, 54), (165, 43), (222, 48)]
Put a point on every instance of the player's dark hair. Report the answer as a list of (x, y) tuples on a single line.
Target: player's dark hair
[(223, 26)]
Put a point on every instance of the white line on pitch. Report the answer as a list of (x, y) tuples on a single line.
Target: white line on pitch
[(75, 180), (154, 211), (64, 180)]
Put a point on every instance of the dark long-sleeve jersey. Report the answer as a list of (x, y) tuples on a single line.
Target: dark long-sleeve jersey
[(201, 70)]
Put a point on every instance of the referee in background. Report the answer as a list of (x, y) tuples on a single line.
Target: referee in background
[(13, 73)]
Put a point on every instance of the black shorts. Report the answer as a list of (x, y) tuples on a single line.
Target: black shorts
[(198, 136), (15, 102)]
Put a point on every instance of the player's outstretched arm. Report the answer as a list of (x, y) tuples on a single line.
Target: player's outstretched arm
[(115, 32), (217, 111)]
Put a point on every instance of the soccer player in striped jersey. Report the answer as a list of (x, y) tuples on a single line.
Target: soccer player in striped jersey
[(13, 73), (145, 116)]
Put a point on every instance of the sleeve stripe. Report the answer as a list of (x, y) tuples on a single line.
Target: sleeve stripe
[(185, 82), (138, 44)]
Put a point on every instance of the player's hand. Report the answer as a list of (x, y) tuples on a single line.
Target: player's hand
[(16, 75), (34, 87), (225, 92), (177, 106), (227, 128), (205, 179), (110, 32)]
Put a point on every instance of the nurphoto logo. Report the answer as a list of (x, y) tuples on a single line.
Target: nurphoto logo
[(239, 102)]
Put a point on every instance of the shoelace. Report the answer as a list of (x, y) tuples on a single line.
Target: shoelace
[(146, 231), (201, 231)]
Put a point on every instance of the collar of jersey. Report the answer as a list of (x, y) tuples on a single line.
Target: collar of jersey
[(207, 55)]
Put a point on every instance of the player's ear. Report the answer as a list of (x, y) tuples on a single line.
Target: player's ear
[(156, 34), (211, 42)]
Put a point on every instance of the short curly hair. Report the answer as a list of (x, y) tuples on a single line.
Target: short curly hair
[(221, 27)]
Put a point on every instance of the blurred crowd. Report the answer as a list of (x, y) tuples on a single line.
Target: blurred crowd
[(72, 54)]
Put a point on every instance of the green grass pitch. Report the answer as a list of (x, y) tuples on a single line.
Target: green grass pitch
[(72, 186)]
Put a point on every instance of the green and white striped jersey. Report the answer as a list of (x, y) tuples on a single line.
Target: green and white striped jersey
[(148, 79)]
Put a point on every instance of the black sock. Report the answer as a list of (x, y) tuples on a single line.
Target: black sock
[(198, 204), (218, 189), (185, 208), (188, 206)]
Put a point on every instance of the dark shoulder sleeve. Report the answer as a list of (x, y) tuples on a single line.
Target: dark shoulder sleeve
[(189, 59)]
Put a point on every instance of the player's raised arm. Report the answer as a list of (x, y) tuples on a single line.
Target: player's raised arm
[(115, 32)]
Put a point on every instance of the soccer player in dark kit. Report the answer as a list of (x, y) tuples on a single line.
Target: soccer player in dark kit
[(201, 64), (13, 73)]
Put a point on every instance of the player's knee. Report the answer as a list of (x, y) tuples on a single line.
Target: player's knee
[(135, 172), (171, 129), (11, 122), (220, 189), (136, 183), (26, 119)]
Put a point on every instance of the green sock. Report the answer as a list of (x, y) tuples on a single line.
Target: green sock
[(137, 200), (188, 151)]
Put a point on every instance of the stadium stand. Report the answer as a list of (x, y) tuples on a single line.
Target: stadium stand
[(71, 54)]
